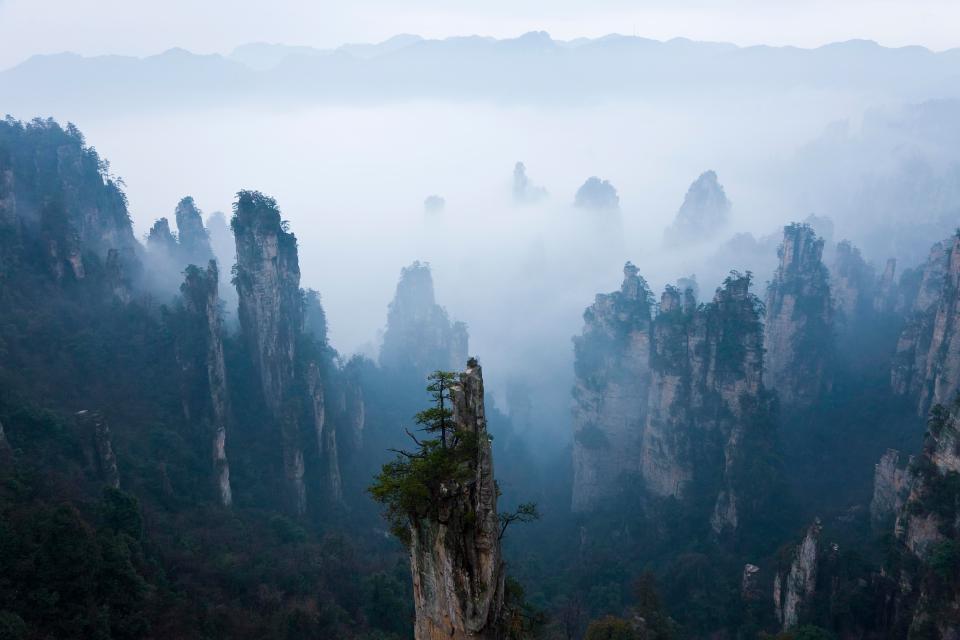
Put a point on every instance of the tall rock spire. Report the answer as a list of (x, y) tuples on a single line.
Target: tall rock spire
[(420, 336), (612, 367), (271, 316), (799, 332), (458, 573), (193, 238), (198, 346)]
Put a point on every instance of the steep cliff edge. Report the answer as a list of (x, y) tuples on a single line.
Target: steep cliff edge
[(853, 285), (795, 584), (612, 367), (420, 336), (798, 338), (291, 362), (926, 366), (198, 347), (709, 412)]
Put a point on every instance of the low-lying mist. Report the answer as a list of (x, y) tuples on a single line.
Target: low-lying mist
[(352, 182)]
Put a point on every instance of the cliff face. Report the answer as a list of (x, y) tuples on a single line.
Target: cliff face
[(927, 362), (798, 336), (271, 316), (927, 529), (707, 403), (853, 284), (55, 191), (198, 346), (704, 212), (458, 574), (96, 432), (795, 584), (612, 366), (675, 401), (420, 338), (891, 486), (193, 238)]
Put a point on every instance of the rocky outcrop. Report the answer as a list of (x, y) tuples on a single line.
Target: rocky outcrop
[(885, 297), (798, 337), (193, 239), (160, 240), (271, 316), (56, 191), (198, 347), (458, 573), (612, 367), (420, 338), (524, 191), (707, 403), (795, 584), (672, 401), (100, 454), (326, 435), (891, 486), (853, 285), (926, 366), (705, 212), (927, 530), (597, 195)]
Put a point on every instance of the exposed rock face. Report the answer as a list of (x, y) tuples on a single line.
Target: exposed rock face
[(198, 344), (420, 337), (927, 361), (458, 574), (793, 586), (193, 238), (271, 316), (928, 529), (286, 333), (749, 582), (598, 195), (524, 191), (79, 214), (891, 486), (707, 400), (98, 431), (705, 211), (798, 337), (852, 284), (612, 365), (674, 401)]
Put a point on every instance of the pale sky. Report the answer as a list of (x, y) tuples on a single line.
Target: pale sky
[(143, 27)]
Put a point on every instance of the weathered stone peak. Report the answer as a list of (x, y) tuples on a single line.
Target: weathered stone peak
[(612, 367), (927, 362), (192, 236), (458, 572), (198, 347), (794, 586), (420, 336), (704, 212), (160, 239), (799, 335)]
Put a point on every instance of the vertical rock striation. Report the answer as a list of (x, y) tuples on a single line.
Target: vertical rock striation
[(420, 337), (193, 238), (267, 276), (612, 367), (795, 584), (286, 334), (799, 337), (198, 346), (927, 362), (891, 486), (458, 573)]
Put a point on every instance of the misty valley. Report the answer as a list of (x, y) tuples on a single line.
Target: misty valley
[(474, 338)]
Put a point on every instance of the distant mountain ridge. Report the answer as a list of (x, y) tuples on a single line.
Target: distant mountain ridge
[(530, 68)]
